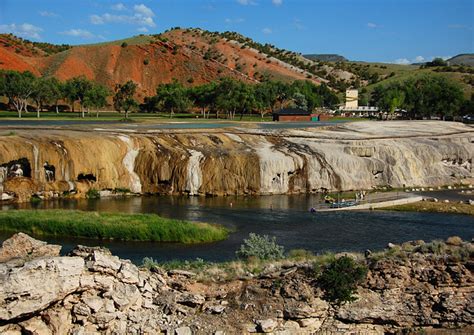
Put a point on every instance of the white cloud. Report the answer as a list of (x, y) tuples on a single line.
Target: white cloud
[(419, 59), (277, 2), (25, 30), (236, 20), (78, 33), (247, 2), (402, 61), (142, 16), (118, 7), (266, 31), (299, 25), (371, 25), (142, 30), (143, 10), (45, 13)]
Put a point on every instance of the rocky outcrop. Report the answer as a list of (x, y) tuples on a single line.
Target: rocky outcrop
[(363, 155), (92, 291)]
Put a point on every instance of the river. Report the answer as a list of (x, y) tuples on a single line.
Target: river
[(284, 216)]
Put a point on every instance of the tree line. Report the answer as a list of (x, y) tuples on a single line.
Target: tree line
[(227, 96), (422, 96)]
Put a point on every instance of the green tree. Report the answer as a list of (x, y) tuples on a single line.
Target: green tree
[(57, 92), (340, 278), (123, 98), (203, 96), (172, 97), (18, 87), (43, 93), (96, 97), (227, 96), (75, 90)]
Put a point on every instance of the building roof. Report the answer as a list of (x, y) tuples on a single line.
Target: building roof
[(292, 111)]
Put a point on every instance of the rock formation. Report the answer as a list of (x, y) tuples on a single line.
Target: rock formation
[(53, 162), (92, 292)]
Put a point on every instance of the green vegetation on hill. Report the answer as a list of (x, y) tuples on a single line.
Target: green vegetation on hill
[(326, 58), (129, 227), (10, 40)]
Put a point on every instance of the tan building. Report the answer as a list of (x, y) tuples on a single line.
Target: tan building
[(352, 99)]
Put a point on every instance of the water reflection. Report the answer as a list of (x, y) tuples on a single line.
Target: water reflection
[(286, 217)]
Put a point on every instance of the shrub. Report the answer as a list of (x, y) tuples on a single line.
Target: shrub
[(299, 254), (454, 240), (146, 61), (340, 278), (124, 44), (149, 263), (261, 247), (93, 194)]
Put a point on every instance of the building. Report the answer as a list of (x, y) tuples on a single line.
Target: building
[(292, 114), (351, 107), (352, 99)]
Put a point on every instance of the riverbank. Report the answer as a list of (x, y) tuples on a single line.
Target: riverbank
[(419, 286), (114, 226), (433, 207)]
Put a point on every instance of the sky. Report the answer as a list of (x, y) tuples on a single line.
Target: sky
[(393, 31)]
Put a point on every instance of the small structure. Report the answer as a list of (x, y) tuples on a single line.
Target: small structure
[(351, 107), (352, 99), (292, 114)]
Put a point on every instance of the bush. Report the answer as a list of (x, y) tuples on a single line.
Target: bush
[(261, 247), (124, 44), (340, 278), (146, 61), (93, 194)]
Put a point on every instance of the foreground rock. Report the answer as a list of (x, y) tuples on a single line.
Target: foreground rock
[(93, 292)]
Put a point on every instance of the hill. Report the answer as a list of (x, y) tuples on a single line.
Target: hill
[(462, 59), (195, 56), (326, 57)]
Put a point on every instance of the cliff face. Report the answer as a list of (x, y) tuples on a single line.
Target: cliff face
[(235, 161), (91, 291)]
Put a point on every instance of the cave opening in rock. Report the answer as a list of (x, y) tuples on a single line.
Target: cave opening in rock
[(18, 168), (49, 172), (86, 177)]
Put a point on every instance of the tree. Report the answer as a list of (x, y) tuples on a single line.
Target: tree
[(172, 97), (123, 98), (227, 96), (340, 278), (203, 96), (75, 89), (56, 91), (18, 87), (96, 97), (44, 92)]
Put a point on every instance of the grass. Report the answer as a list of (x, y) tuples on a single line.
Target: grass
[(130, 227), (434, 207)]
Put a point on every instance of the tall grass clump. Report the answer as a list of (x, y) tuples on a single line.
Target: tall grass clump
[(129, 227)]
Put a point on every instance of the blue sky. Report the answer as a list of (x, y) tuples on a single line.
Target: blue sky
[(372, 30)]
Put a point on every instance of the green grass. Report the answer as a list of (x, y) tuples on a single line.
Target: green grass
[(434, 207), (130, 227)]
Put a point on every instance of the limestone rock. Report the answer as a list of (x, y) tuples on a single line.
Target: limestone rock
[(35, 326), (267, 325), (191, 300), (183, 331), (37, 284), (23, 246)]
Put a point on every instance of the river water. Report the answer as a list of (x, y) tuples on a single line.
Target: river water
[(285, 217)]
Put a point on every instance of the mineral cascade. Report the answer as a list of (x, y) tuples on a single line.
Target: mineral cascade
[(360, 155)]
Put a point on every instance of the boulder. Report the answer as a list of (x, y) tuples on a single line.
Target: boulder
[(183, 331), (37, 284), (23, 246), (267, 325)]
